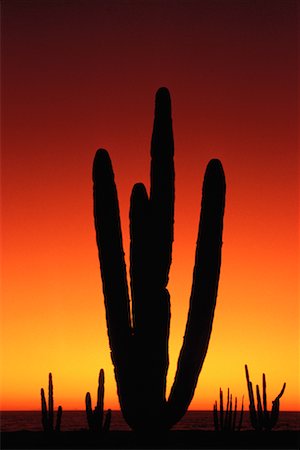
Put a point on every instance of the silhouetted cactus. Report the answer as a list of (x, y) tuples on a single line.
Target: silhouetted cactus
[(139, 346), (95, 418), (227, 422), (47, 415), (261, 418)]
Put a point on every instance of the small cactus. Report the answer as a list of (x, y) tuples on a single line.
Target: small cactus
[(227, 423), (47, 416), (95, 418), (261, 418)]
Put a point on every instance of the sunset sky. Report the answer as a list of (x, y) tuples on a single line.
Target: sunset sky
[(78, 75)]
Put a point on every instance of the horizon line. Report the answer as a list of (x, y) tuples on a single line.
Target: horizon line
[(119, 410)]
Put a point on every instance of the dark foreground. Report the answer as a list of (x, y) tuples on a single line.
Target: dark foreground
[(171, 440)]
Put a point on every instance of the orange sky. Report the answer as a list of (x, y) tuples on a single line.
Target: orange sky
[(77, 76)]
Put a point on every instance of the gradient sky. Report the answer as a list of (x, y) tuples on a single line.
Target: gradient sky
[(79, 75)]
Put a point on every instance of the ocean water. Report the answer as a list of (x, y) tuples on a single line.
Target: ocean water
[(76, 420)]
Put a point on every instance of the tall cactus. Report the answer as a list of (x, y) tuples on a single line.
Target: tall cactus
[(139, 344)]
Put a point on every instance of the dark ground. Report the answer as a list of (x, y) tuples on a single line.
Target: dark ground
[(171, 440)]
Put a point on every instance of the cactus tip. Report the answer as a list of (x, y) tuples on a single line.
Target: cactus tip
[(162, 102), (101, 157), (163, 91), (215, 167), (102, 167)]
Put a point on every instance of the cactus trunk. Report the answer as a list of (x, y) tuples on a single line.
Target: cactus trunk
[(139, 347)]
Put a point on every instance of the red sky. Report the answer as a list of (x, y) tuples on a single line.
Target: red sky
[(80, 75)]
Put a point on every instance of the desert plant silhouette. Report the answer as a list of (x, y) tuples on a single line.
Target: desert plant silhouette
[(48, 415), (227, 422), (95, 417), (261, 419), (139, 346)]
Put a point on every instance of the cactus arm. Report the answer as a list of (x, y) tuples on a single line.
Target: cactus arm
[(275, 408), (111, 254), (241, 416), (100, 398), (260, 416), (265, 407), (107, 421), (50, 402), (162, 190), (58, 418), (139, 259), (151, 232), (88, 409), (221, 410), (252, 410), (215, 415), (230, 413), (204, 290), (234, 414), (281, 392), (274, 414), (162, 193), (44, 411), (227, 411), (265, 393), (113, 271)]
